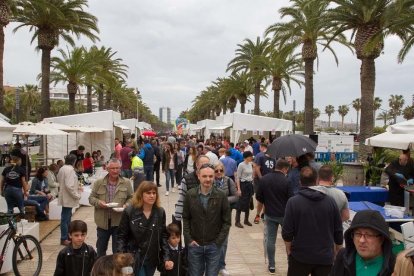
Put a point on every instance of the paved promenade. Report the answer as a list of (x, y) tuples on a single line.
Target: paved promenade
[(245, 255)]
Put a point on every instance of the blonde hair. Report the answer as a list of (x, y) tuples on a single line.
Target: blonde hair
[(145, 186), (403, 265)]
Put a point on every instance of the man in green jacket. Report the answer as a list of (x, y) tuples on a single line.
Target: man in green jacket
[(111, 189), (206, 219)]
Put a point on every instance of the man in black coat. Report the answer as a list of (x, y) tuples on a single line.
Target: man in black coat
[(400, 173), (312, 229), (273, 192)]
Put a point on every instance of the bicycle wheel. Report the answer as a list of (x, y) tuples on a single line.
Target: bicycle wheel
[(27, 256)]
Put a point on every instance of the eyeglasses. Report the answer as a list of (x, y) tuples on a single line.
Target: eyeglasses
[(219, 171), (206, 165), (368, 237)]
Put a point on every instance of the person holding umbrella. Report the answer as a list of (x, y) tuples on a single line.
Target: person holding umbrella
[(244, 188)]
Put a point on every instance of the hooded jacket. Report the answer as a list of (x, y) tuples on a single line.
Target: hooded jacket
[(313, 224), (345, 260)]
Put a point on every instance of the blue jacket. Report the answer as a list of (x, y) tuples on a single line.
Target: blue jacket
[(141, 154), (236, 155)]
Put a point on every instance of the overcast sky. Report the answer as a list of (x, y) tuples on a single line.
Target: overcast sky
[(175, 48)]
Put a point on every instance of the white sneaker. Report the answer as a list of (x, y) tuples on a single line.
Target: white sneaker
[(173, 190), (167, 193), (224, 272)]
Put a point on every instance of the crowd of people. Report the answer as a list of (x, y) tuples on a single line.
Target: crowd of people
[(212, 178)]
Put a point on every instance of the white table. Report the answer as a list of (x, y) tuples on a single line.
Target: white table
[(55, 210), (30, 228), (84, 200)]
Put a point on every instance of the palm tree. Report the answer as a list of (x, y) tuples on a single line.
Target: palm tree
[(283, 67), (377, 104), (107, 67), (316, 114), (343, 110), (72, 69), (408, 112), (395, 102), (329, 109), (356, 104), (51, 20), (384, 116), (370, 21), (306, 29), (242, 86), (251, 58), (6, 9), (30, 100)]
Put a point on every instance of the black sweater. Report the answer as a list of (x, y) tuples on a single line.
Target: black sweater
[(313, 224), (274, 191)]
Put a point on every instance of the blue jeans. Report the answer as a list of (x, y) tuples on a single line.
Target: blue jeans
[(223, 251), (272, 223), (169, 177), (65, 218), (42, 200), (203, 259), (30, 202), (149, 173), (126, 173), (103, 240), (145, 270), (14, 198)]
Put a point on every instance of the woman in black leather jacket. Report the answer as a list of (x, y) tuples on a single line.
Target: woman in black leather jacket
[(142, 230)]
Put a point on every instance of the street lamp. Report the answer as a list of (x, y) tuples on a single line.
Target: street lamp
[(137, 91)]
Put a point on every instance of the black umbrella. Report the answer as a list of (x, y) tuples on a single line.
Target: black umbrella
[(291, 145)]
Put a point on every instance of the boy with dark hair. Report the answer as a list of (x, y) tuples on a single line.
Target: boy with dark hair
[(176, 265), (77, 258)]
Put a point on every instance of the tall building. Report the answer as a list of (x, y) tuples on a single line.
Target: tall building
[(165, 114)]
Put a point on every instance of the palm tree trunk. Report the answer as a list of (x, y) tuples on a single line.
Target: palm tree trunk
[(45, 92), (89, 98), (329, 121), (308, 96), (276, 100), (357, 122), (1, 69), (257, 98), (343, 122), (100, 97), (367, 101), (242, 107), (72, 97), (108, 100)]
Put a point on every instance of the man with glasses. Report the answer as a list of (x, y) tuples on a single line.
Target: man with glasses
[(206, 224), (368, 247), (117, 191)]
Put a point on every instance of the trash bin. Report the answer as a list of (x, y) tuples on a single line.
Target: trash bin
[(353, 174)]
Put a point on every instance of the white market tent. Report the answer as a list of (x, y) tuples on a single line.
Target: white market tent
[(94, 130), (397, 136), (6, 131), (135, 126), (239, 123)]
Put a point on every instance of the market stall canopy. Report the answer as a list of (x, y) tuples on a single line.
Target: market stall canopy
[(90, 129), (29, 128), (5, 125), (406, 127), (390, 140), (219, 127), (121, 126), (58, 126)]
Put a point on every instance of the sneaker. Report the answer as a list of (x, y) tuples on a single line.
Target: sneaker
[(248, 223), (173, 190), (272, 270), (256, 219), (64, 242), (167, 193), (224, 272)]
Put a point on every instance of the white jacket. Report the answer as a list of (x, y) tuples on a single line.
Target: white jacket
[(69, 194)]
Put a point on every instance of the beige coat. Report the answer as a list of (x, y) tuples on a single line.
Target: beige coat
[(69, 194), (123, 195)]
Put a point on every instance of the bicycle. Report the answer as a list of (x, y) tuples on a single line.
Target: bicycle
[(27, 253)]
